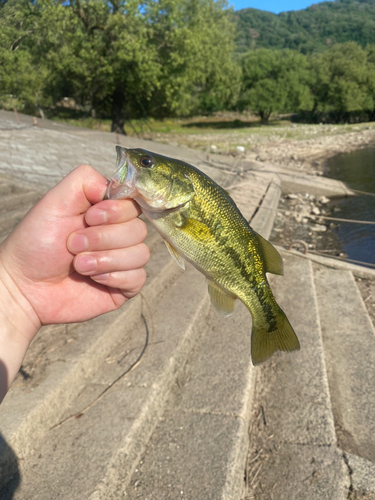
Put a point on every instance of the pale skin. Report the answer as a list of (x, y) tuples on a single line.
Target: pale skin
[(72, 258)]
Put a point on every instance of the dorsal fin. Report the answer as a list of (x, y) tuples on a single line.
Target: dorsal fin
[(273, 260)]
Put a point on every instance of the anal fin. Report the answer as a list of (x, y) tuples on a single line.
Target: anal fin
[(175, 255), (273, 260), (222, 301)]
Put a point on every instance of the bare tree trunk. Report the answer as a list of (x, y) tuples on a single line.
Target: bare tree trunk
[(118, 114)]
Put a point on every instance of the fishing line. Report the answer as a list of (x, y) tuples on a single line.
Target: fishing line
[(319, 254), (118, 379), (362, 192), (312, 216)]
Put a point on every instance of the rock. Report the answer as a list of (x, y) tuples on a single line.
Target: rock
[(318, 228), (315, 211), (292, 196), (304, 210), (324, 200), (213, 147), (240, 149)]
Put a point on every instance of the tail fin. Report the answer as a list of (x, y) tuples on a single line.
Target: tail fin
[(265, 343)]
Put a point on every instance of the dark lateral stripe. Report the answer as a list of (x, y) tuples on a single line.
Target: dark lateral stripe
[(261, 292)]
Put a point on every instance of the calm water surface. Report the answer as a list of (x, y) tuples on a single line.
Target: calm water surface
[(357, 170)]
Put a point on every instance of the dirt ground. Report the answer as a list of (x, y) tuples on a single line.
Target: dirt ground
[(298, 146)]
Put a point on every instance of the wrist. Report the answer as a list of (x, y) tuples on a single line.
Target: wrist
[(19, 324)]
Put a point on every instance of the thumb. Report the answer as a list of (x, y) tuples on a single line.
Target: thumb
[(77, 192)]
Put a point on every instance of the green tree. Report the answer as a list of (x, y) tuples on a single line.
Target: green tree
[(195, 41), (22, 74), (130, 58), (370, 51), (314, 29), (343, 82), (275, 81)]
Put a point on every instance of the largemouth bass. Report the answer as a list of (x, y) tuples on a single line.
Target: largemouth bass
[(200, 222)]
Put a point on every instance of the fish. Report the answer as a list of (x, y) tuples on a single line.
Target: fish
[(201, 224)]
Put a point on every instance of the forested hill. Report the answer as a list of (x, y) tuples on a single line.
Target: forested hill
[(309, 30)]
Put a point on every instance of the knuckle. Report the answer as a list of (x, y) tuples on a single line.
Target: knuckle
[(134, 283), (144, 252), (142, 275), (84, 169)]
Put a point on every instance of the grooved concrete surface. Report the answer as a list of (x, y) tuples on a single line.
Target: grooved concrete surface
[(194, 420), (293, 442)]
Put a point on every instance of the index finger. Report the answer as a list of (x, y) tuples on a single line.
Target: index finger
[(112, 212)]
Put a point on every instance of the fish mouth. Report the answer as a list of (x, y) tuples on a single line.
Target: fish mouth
[(122, 183)]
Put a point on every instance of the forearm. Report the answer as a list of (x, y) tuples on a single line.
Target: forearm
[(18, 326)]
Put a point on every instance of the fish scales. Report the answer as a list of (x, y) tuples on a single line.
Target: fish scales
[(201, 223)]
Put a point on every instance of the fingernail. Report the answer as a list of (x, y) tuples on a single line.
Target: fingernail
[(100, 277), (85, 263), (78, 243), (97, 216)]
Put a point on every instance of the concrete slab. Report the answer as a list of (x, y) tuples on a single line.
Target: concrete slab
[(262, 222), (199, 448), (293, 181), (11, 201), (292, 435), (44, 154), (356, 270), (349, 343), (187, 458), (362, 475)]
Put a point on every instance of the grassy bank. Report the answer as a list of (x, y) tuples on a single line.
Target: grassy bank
[(224, 131)]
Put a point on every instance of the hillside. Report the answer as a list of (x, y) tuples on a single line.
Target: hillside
[(309, 30)]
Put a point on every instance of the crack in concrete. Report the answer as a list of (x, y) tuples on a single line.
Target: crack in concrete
[(350, 474), (313, 445)]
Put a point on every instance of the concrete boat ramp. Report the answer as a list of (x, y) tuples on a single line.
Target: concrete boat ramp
[(189, 417)]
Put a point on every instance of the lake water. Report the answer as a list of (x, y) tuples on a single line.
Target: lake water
[(357, 170)]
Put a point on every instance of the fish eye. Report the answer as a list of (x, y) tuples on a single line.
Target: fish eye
[(147, 161)]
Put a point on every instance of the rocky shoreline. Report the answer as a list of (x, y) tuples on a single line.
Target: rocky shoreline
[(300, 224), (310, 154)]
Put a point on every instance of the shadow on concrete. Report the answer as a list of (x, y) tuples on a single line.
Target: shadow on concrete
[(225, 124), (9, 471)]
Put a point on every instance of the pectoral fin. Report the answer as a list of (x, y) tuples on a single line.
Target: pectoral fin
[(272, 258), (222, 302), (175, 255)]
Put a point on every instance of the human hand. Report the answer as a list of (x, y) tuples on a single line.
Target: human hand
[(50, 252), (44, 263)]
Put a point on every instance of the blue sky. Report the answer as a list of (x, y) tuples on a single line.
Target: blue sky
[(275, 6)]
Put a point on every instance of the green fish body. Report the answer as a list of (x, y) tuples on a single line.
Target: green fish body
[(201, 223)]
